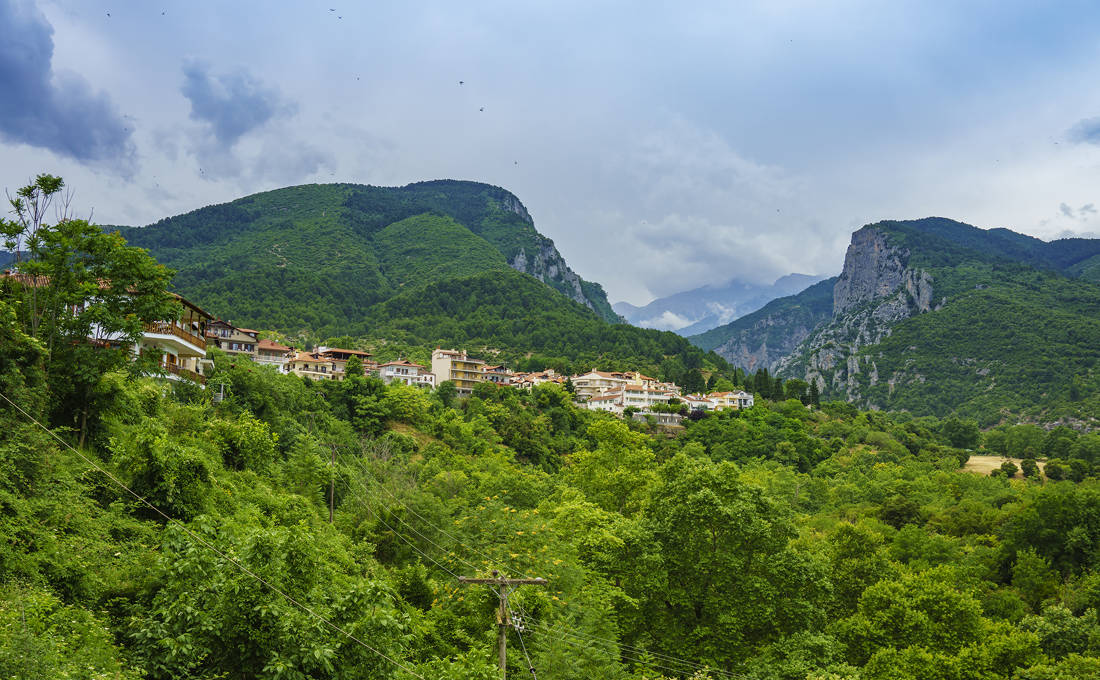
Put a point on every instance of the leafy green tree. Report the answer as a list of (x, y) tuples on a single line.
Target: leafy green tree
[(1062, 634), (814, 397), (963, 434), (354, 367), (618, 472), (1009, 469), (1034, 578), (1029, 468), (86, 297), (447, 392), (917, 610), (732, 580)]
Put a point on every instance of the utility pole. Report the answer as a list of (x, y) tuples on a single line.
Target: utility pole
[(503, 619)]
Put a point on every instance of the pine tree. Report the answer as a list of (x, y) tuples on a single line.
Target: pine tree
[(815, 396)]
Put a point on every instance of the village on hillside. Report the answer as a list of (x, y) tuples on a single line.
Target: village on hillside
[(183, 346)]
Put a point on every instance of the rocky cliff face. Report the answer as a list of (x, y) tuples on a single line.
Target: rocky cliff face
[(546, 264), (765, 342), (876, 290)]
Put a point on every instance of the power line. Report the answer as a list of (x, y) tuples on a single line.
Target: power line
[(458, 541), (633, 653), (611, 654), (211, 547), (413, 529), (378, 516)]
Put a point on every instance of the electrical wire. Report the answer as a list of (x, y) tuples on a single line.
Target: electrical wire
[(199, 539), (632, 653), (458, 541), (530, 666), (443, 550), (378, 516)]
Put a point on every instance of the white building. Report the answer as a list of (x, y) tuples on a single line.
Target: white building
[(406, 372)]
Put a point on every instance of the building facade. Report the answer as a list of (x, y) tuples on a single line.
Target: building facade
[(406, 372), (456, 366)]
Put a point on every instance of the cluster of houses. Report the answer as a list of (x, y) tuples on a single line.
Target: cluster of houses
[(611, 391), (181, 346)]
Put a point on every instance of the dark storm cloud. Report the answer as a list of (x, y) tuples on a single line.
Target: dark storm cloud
[(232, 104), (1086, 131), (48, 109)]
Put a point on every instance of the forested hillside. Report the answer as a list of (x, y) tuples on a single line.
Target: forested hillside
[(315, 257), (938, 317), (774, 543), (292, 529)]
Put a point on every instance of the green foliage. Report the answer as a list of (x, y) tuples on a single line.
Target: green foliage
[(780, 542), (314, 258)]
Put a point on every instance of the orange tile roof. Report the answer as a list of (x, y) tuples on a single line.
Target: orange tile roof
[(402, 362), (269, 344)]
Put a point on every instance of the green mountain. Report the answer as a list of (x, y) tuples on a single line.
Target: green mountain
[(317, 257), (936, 317), (429, 264)]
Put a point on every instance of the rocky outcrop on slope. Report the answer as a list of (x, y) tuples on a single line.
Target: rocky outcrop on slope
[(876, 290), (546, 264)]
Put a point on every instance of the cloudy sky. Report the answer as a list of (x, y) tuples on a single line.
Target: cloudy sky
[(663, 146)]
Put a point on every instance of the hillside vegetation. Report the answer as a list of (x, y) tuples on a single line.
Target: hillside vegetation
[(302, 530), (1005, 326), (313, 258)]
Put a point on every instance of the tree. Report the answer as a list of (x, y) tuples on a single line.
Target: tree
[(796, 389), (354, 367), (693, 382), (86, 297), (1009, 469), (962, 434), (814, 398), (1029, 468), (733, 581), (618, 472), (447, 392)]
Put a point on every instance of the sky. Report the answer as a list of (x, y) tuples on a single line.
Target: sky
[(663, 146)]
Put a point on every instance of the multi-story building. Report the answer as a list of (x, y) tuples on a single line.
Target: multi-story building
[(593, 383), (697, 402), (464, 371), (313, 366), (612, 402), (498, 375), (407, 372), (642, 397), (181, 344), (232, 340), (341, 356), (526, 380), (731, 400), (272, 353)]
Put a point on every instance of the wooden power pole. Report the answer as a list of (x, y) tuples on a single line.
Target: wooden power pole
[(503, 618)]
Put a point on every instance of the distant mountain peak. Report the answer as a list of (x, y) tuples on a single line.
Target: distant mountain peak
[(712, 305)]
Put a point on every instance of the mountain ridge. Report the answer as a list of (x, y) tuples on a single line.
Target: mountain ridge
[(252, 256), (936, 282)]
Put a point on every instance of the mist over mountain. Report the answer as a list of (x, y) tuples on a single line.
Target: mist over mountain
[(694, 311)]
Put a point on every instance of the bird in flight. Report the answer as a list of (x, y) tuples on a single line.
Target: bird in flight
[(462, 82), (481, 109)]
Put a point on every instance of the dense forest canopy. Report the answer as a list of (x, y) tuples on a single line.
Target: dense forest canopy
[(153, 531)]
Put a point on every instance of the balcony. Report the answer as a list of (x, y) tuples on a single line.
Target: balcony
[(175, 330), (186, 374)]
